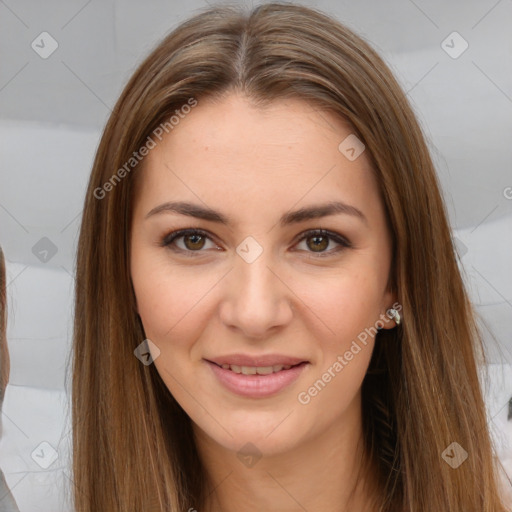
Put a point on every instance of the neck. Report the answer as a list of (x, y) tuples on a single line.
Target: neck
[(328, 472)]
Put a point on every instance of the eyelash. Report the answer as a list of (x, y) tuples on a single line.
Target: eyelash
[(170, 238)]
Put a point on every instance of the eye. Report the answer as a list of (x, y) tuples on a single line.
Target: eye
[(319, 239), (189, 241), (193, 240)]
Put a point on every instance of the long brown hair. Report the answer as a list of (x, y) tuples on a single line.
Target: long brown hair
[(132, 442)]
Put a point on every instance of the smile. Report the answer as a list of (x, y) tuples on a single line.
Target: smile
[(256, 381), (256, 370)]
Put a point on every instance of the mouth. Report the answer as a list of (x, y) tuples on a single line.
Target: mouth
[(257, 370), (260, 377), (259, 361)]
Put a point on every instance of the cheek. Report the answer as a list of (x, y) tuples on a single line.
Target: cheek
[(169, 298), (349, 306), (171, 304), (344, 305), (335, 390)]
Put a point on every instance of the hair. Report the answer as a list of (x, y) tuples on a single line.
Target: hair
[(4, 352), (133, 447)]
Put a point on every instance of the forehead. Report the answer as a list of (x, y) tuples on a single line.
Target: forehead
[(229, 152)]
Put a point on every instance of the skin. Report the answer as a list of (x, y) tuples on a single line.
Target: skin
[(254, 165)]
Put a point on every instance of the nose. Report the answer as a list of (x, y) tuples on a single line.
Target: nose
[(257, 300)]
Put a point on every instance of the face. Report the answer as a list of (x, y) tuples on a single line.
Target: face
[(256, 275)]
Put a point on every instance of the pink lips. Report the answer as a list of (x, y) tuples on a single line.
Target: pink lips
[(256, 386), (264, 360)]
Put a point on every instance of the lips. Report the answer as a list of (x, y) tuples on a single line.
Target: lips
[(257, 376), (256, 370), (260, 361)]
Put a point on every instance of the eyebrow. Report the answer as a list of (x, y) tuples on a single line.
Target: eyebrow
[(294, 217)]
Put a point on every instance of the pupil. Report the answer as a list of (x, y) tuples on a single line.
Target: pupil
[(320, 245), (195, 237)]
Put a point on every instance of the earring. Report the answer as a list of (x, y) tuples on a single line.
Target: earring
[(393, 313)]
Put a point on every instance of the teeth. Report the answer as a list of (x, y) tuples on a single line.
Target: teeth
[(253, 370)]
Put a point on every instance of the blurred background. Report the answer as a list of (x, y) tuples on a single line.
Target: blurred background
[(62, 67)]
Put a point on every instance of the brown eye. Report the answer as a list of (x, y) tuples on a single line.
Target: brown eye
[(318, 242), (188, 241), (194, 241)]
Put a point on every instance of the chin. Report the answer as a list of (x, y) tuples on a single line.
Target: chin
[(266, 434)]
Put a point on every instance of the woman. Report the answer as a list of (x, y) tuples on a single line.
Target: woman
[(7, 503), (269, 311)]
